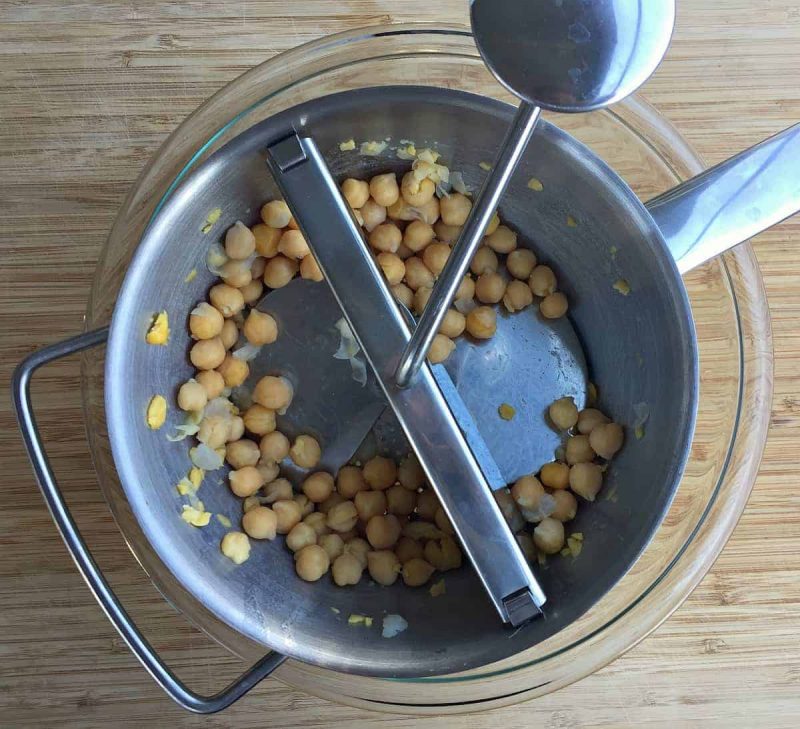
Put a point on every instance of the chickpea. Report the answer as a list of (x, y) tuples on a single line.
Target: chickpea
[(427, 213), (318, 486), (554, 306), (542, 281), (392, 266), (205, 322), (417, 571), (269, 471), (421, 530), (293, 245), (278, 489), (260, 328), (276, 214), (267, 239), (517, 297), (403, 252), (606, 439), (333, 500), (455, 208), (384, 189), (236, 429), (318, 522), (245, 481), (555, 475), (527, 546), (311, 562), (349, 481), (293, 225), (212, 383), (493, 224), (306, 506), (239, 241), (229, 334), (260, 522), (359, 548), (482, 322), (373, 215), (309, 269), (466, 289), (289, 514), (527, 492), (236, 547), (502, 240), (192, 396), (453, 324), (416, 192), (226, 299), (444, 554), (589, 419), (234, 371), (241, 453), (275, 393), (386, 237), (417, 235), (274, 446), (259, 420), (383, 531), (447, 233), (410, 473), (484, 261), (490, 288), (563, 413), (427, 505), (300, 535), (435, 257), (251, 292), (346, 570), (332, 544), (279, 271), (418, 274), (250, 503), (356, 192), (214, 431), (305, 451), (443, 522), (380, 472), (407, 548), (520, 263), (258, 266), (566, 505), (579, 450), (342, 517), (370, 503), (403, 294), (421, 297), (383, 566), (441, 348), (548, 536)]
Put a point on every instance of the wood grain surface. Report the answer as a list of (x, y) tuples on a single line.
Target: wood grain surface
[(88, 91)]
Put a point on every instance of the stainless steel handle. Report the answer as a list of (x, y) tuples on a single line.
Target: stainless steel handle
[(176, 690), (377, 322), (444, 290), (731, 202)]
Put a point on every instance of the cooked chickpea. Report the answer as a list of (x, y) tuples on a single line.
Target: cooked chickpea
[(421, 530), (250, 503), (359, 548), (527, 492), (318, 522), (383, 566), (369, 504), (318, 486), (566, 505), (542, 281), (563, 413), (520, 263), (269, 470), (416, 192), (380, 472), (579, 450), (383, 531), (384, 189), (427, 505), (517, 297), (554, 306), (346, 569), (385, 237), (212, 382), (455, 208), (260, 522), (342, 517), (447, 233), (417, 235), (274, 446), (259, 328), (482, 322), (306, 506), (331, 543), (435, 257), (403, 294), (417, 571), (289, 513), (484, 261), (453, 324), (245, 481), (278, 490), (279, 271), (236, 547), (400, 501), (490, 287), (501, 240), (305, 451), (205, 322), (259, 420), (258, 266), (274, 393), (229, 334), (333, 500), (403, 252), (418, 274), (443, 521), (300, 535), (239, 241), (373, 215), (444, 554), (606, 439), (548, 536), (349, 481), (251, 293), (493, 223), (356, 192), (241, 453), (267, 239), (410, 473), (408, 548), (236, 430), (309, 269), (214, 431), (276, 214), (392, 266), (293, 245), (233, 370), (441, 348), (311, 563), (192, 396), (589, 419), (555, 475), (466, 289), (226, 299)]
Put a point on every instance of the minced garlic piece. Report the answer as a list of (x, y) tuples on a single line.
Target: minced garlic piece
[(372, 149), (622, 286), (196, 515), (191, 276), (506, 411), (158, 333), (156, 412), (211, 218), (347, 146), (535, 184), (437, 588), (571, 222), (484, 166)]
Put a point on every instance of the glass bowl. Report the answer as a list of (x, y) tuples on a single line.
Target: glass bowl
[(733, 331)]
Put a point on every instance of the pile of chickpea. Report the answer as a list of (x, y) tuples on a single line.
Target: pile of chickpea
[(380, 517)]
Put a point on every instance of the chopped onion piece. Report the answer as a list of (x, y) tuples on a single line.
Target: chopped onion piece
[(465, 306), (547, 505), (206, 458), (218, 406), (190, 426), (216, 259), (247, 352), (359, 370), (458, 183), (393, 625)]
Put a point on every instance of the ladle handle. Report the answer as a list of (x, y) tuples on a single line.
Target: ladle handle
[(176, 689), (483, 209), (731, 202)]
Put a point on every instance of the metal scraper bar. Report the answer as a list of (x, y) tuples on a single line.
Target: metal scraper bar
[(378, 324)]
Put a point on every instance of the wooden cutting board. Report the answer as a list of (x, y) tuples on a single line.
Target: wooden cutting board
[(88, 90)]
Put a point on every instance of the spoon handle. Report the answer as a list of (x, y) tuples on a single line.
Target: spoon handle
[(483, 209)]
